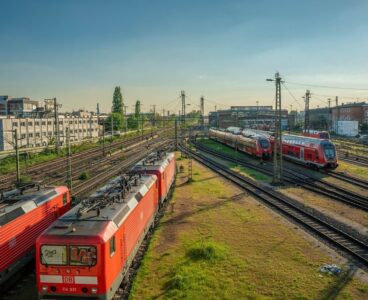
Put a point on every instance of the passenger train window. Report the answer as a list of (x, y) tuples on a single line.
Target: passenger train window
[(112, 246)]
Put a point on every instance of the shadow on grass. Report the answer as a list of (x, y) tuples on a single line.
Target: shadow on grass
[(334, 289), (214, 205)]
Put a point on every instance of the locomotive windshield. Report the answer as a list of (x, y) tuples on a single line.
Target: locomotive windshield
[(82, 255), (264, 143), (329, 150), (78, 255), (53, 255)]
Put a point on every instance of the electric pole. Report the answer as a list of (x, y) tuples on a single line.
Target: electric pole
[(69, 178), (112, 126), (176, 134), (183, 107), (306, 111), (337, 101), (56, 117), (329, 102), (257, 115), (103, 138), (125, 118), (163, 117), (277, 151), (202, 112), (154, 115), (17, 155)]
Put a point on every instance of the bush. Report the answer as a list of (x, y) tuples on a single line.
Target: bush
[(83, 176), (206, 251)]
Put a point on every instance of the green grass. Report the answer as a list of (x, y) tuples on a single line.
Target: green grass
[(258, 176), (215, 245), (220, 147)]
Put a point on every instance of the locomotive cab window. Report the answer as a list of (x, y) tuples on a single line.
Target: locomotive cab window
[(65, 199), (53, 255), (83, 255), (112, 246)]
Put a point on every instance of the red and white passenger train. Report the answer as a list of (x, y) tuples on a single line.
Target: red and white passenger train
[(24, 215), (313, 152), (86, 252), (246, 141)]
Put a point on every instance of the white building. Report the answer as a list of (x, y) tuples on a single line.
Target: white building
[(39, 132)]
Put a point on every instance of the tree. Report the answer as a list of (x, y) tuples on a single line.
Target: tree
[(117, 101), (117, 122)]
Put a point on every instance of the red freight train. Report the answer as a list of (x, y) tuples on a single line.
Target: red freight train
[(86, 252), (23, 217), (247, 141)]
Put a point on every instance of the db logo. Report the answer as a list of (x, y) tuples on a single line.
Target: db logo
[(68, 279)]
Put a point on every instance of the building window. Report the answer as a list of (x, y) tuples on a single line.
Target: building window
[(30, 123), (23, 136), (37, 134), (43, 123), (22, 123), (44, 133), (15, 124), (37, 123), (30, 134), (48, 122), (112, 246)]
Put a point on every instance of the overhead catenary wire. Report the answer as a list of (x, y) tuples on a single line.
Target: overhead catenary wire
[(327, 87)]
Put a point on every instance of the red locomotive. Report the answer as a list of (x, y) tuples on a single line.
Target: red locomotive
[(163, 166), (247, 141), (24, 215), (86, 252), (324, 135)]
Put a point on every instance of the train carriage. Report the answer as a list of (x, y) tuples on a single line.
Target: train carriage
[(313, 152), (247, 141), (163, 165), (23, 217), (87, 252)]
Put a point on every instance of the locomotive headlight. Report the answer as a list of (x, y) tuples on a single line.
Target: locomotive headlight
[(94, 290), (44, 288)]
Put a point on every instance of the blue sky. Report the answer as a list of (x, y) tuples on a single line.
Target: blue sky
[(78, 50)]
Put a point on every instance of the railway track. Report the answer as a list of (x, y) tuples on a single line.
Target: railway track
[(348, 178), (355, 159), (310, 183), (329, 233), (87, 186), (38, 171)]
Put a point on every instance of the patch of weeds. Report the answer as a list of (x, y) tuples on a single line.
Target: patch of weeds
[(25, 179), (83, 176), (209, 251)]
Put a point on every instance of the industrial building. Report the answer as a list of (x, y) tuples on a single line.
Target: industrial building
[(351, 112), (261, 117), (40, 132), (19, 107)]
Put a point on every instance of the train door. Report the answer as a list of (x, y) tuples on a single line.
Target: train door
[(302, 153)]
